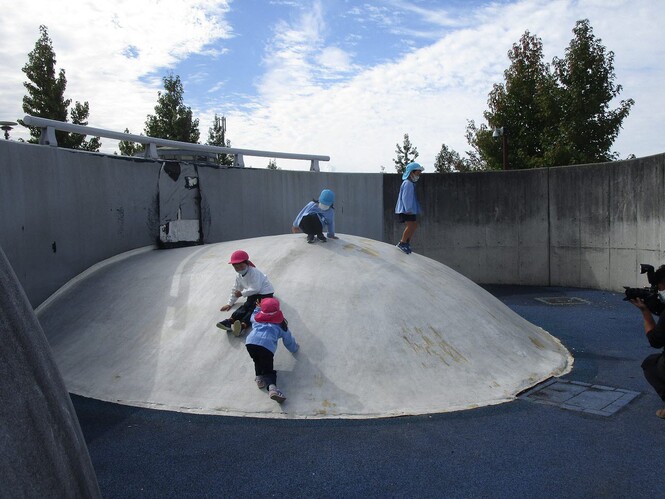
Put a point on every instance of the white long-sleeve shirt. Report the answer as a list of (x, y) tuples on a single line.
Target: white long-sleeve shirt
[(254, 282)]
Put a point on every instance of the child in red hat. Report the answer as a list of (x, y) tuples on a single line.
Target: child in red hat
[(250, 283), (268, 326)]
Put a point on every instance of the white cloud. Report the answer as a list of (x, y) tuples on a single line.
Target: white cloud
[(111, 51), (313, 96), (431, 92), (335, 60)]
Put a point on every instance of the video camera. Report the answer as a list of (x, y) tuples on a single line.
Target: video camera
[(649, 295)]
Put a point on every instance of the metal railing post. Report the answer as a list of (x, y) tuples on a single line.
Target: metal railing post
[(151, 151), (238, 161), (47, 137)]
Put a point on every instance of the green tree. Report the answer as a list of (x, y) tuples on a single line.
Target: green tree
[(46, 96), (129, 148), (79, 115), (551, 117), (172, 119), (448, 161), (586, 78), (217, 137), (406, 153), (525, 105), (480, 140)]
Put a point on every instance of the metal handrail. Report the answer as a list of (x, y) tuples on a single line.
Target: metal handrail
[(48, 128)]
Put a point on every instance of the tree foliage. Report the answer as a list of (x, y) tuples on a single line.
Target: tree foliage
[(448, 161), (524, 105), (586, 77), (272, 165), (45, 96), (129, 148), (554, 114), (172, 119), (217, 137), (79, 115), (406, 153)]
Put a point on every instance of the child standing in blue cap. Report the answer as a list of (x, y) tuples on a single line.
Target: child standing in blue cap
[(316, 215), (407, 207)]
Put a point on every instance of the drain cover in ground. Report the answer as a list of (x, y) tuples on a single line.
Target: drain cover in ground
[(583, 397), (562, 300)]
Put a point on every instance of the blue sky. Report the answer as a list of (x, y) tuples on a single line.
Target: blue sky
[(343, 78)]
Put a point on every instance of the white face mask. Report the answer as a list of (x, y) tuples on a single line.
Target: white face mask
[(324, 207), (661, 295)]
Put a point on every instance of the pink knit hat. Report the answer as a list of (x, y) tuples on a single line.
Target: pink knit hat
[(270, 311)]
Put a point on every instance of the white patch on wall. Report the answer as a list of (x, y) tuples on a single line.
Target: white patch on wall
[(179, 231)]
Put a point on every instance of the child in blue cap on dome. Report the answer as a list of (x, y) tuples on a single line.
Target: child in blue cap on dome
[(407, 207), (316, 215), (268, 326)]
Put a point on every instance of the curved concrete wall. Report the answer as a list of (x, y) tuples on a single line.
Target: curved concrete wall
[(242, 203), (582, 226), (64, 211)]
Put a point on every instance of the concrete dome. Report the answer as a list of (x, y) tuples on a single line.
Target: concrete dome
[(381, 333)]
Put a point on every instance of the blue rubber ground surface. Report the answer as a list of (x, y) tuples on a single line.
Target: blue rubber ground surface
[(517, 449)]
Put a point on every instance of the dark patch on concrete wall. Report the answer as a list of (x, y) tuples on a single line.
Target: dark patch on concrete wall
[(179, 205)]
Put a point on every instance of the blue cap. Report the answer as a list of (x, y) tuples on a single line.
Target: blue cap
[(409, 168), (327, 197)]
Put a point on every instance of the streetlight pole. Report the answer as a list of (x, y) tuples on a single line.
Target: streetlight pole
[(6, 126), (504, 138), (503, 133)]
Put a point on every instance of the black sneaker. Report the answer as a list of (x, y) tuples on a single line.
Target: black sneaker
[(404, 247), (225, 324), (310, 238), (322, 238)]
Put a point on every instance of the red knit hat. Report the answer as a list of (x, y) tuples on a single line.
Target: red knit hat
[(270, 311)]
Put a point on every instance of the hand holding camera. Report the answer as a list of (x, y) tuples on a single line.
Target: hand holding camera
[(647, 296)]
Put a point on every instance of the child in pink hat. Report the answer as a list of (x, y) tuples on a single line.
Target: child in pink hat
[(252, 284), (268, 326)]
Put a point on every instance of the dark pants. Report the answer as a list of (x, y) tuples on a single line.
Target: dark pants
[(311, 225), (654, 372), (244, 312), (263, 363)]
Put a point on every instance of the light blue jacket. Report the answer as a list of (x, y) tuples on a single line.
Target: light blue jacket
[(327, 217), (267, 334), (407, 202)]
